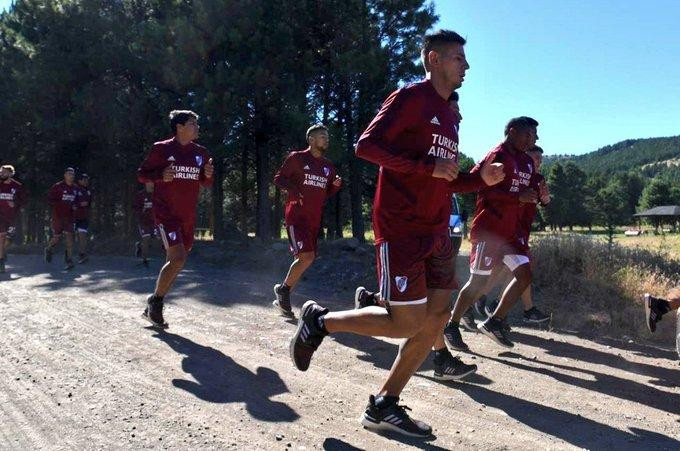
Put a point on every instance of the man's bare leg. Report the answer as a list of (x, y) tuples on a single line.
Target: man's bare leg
[(301, 263), (145, 247), (82, 243), (69, 246), (514, 290), (401, 321), (470, 292), (3, 242), (175, 259)]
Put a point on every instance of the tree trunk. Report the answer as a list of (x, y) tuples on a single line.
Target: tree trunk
[(244, 191), (355, 169), (219, 231), (263, 229)]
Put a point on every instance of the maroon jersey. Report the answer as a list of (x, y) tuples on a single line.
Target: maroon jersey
[(83, 201), (11, 199), (527, 210), (62, 198), (175, 200), (143, 205), (498, 206), (304, 174), (413, 127)]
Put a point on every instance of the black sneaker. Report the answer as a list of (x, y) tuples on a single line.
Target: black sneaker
[(452, 368), (479, 306), (153, 312), (505, 325), (308, 335), (393, 418), (363, 298), (493, 328), (655, 308), (467, 322), (69, 265), (48, 254), (82, 258), (453, 338), (145, 262), (138, 249), (534, 316), (282, 301), (2, 265), (491, 307)]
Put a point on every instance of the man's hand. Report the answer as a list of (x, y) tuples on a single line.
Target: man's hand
[(492, 173), (445, 169), (168, 174), (209, 169), (83, 203), (338, 181), (544, 193), (528, 196), (299, 200), (11, 204)]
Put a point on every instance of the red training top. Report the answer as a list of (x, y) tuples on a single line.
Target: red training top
[(12, 197), (175, 200), (143, 206), (62, 198), (413, 127), (527, 210), (498, 206), (304, 174), (83, 201)]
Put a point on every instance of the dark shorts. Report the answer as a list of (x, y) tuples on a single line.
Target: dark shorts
[(173, 233), (7, 227), (408, 267), (62, 224), (82, 225), (487, 254), (301, 238)]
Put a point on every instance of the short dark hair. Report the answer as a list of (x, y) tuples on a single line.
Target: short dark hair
[(454, 97), (180, 117), (315, 128), (70, 169), (536, 149), (520, 122), (437, 39)]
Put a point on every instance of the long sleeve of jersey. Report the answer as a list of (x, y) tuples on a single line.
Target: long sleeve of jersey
[(53, 195), (468, 182), (332, 189), (286, 177), (152, 167), (206, 182), (394, 117)]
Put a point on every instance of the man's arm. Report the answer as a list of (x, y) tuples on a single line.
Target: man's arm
[(53, 195), (285, 177), (207, 171), (335, 183), (487, 172), (152, 167)]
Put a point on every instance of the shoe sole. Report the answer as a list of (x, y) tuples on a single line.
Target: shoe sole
[(155, 324), (648, 312), (385, 426), (467, 327), (451, 377), (491, 335), (283, 311), (357, 305), (307, 305), (536, 321)]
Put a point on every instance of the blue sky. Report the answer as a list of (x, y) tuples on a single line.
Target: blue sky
[(591, 72)]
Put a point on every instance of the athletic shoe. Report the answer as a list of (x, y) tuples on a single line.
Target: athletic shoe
[(655, 308), (138, 249), (48, 254), (467, 322), (534, 315), (393, 418), (82, 258), (2, 265), (491, 307), (145, 262), (479, 306), (363, 298), (282, 301), (69, 265), (493, 328), (308, 335), (506, 326), (153, 312), (453, 338), (452, 368)]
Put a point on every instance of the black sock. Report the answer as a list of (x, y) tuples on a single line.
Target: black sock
[(440, 354), (284, 287), (320, 322), (664, 306), (156, 298), (382, 402), (482, 299)]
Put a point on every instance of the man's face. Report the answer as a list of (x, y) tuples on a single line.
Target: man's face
[(188, 131), (453, 104), (5, 174), (84, 182), (451, 63), (537, 157), (68, 177), (523, 138), (319, 140)]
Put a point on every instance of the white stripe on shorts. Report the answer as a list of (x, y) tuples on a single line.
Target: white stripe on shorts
[(163, 237), (293, 241), (416, 302), (384, 272), (514, 261)]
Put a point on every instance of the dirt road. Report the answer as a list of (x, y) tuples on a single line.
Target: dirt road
[(79, 370)]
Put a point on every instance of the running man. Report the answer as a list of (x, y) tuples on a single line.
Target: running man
[(309, 179), (82, 215), (414, 141), (11, 200), (62, 199), (177, 167), (655, 308), (143, 207), (532, 315), (494, 233)]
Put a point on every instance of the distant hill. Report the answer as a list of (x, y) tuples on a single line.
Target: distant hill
[(651, 156)]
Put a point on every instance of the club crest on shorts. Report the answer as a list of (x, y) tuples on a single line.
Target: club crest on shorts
[(326, 171), (300, 243), (172, 236), (199, 160), (487, 261), (402, 283)]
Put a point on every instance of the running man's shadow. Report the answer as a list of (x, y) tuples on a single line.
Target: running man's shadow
[(220, 379)]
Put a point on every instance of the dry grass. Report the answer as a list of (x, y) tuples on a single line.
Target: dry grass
[(594, 288)]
